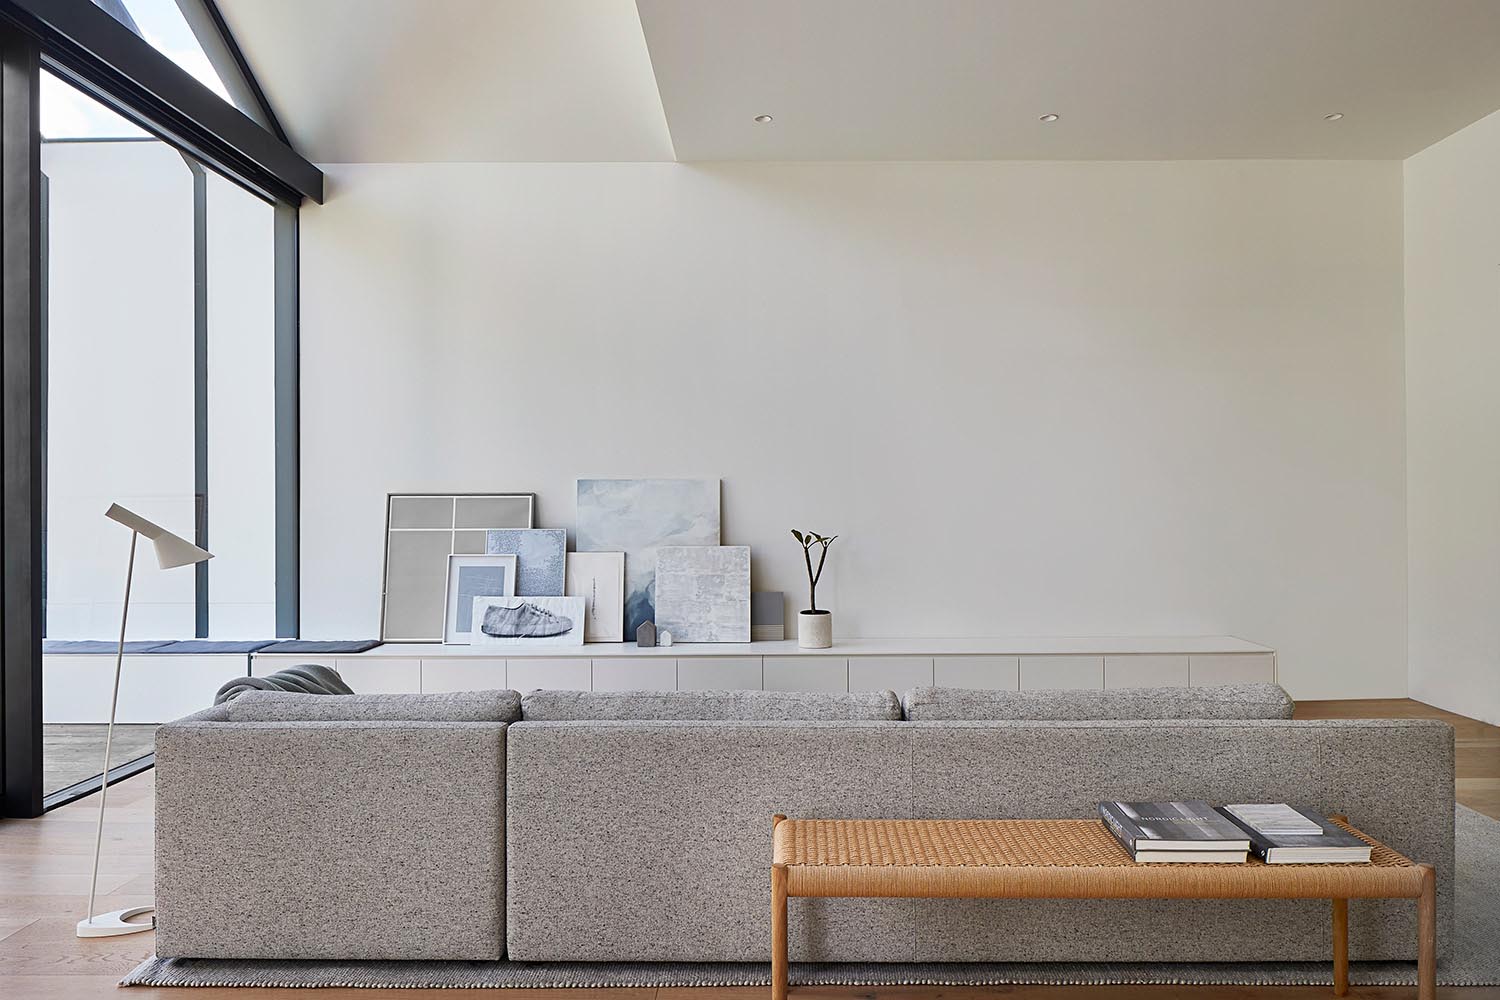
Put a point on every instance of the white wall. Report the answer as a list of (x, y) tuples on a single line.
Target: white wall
[(1452, 199), (1031, 398)]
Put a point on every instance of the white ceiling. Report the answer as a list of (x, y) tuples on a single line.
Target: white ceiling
[(455, 80), (542, 80)]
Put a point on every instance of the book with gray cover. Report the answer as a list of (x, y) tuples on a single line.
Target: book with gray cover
[(1193, 826)]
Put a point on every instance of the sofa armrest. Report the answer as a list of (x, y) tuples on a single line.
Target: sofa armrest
[(350, 840)]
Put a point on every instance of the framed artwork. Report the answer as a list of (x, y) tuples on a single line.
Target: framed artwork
[(599, 578), (421, 531), (470, 577), (542, 555), (528, 621), (703, 592), (635, 516)]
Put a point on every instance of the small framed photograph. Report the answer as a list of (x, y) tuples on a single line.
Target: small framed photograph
[(470, 577), (528, 621), (599, 578)]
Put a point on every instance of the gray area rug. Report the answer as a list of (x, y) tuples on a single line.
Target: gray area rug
[(1474, 959)]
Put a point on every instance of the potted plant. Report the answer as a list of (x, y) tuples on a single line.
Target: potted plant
[(814, 627)]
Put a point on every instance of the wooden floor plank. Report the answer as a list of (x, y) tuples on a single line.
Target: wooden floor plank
[(44, 867)]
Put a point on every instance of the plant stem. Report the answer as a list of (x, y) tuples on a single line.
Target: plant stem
[(812, 581)]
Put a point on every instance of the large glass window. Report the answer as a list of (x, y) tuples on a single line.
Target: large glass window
[(160, 334)]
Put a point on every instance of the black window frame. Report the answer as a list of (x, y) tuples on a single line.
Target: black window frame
[(85, 46)]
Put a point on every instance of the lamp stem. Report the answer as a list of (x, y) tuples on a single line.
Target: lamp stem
[(109, 734)]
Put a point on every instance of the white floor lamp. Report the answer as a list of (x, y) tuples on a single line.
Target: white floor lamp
[(171, 551)]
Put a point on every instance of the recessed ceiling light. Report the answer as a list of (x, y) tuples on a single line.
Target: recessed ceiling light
[(763, 119), (1333, 117), (1048, 118)]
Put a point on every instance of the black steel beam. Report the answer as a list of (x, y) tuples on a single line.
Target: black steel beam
[(92, 50), (21, 424)]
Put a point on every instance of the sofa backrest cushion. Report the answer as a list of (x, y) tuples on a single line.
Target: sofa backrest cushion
[(708, 706), (1230, 701), (456, 706)]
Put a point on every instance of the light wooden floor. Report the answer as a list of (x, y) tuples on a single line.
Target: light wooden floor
[(44, 871)]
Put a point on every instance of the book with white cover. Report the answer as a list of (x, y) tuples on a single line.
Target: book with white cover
[(1274, 819)]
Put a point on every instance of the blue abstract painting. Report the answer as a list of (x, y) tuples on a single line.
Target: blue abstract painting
[(635, 516), (540, 555)]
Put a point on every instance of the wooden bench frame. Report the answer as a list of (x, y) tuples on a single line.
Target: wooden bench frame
[(838, 867)]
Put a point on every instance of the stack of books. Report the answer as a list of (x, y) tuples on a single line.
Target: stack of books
[(1183, 832), (1283, 835), (1196, 832)]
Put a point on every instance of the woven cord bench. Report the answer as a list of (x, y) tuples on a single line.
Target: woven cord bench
[(1064, 859)]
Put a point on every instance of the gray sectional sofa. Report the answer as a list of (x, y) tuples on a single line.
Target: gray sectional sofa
[(593, 827)]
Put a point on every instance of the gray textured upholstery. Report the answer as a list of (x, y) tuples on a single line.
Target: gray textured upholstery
[(1230, 701), (651, 840), (355, 840), (456, 706), (805, 706)]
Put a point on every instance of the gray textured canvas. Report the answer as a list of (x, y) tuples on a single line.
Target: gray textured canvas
[(610, 820), (573, 706), (1230, 701), (540, 558), (455, 706), (365, 840), (703, 592), (636, 516)]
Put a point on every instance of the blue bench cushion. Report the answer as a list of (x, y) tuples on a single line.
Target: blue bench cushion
[(97, 646), (321, 646)]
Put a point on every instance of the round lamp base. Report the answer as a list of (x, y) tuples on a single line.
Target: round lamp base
[(116, 922)]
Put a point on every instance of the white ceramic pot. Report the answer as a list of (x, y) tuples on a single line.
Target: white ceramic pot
[(814, 629)]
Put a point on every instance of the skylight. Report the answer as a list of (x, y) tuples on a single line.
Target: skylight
[(69, 114)]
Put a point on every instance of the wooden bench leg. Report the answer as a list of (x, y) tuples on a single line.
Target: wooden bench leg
[(1340, 947), (778, 933), (1427, 935)]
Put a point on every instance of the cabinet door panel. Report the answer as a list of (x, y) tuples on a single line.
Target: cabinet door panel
[(806, 673), (718, 673), (462, 673), (1232, 668), (997, 673), (889, 673), (1061, 672), (635, 673), (1145, 671), (560, 674)]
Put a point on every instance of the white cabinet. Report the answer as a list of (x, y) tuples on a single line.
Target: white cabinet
[(380, 675), (719, 673), (557, 674), (635, 673), (1145, 671), (806, 673), (889, 673), (1231, 668), (998, 673), (463, 673), (1061, 672), (153, 687)]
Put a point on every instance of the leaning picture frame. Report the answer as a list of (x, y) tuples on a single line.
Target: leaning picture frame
[(471, 576), (421, 531), (599, 578)]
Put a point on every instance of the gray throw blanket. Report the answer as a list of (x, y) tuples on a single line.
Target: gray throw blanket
[(308, 678)]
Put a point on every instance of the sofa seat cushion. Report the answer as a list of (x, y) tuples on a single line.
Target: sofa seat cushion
[(708, 706), (456, 706), (1229, 701)]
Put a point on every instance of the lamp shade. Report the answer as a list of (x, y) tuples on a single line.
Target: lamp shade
[(171, 550)]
